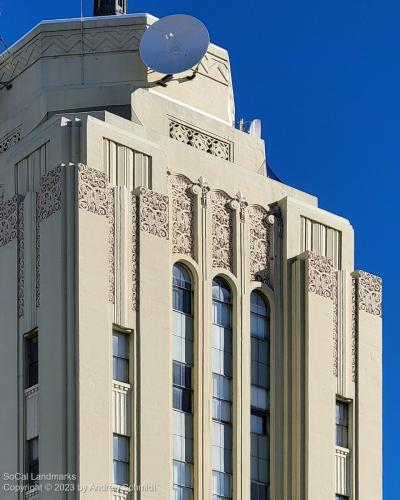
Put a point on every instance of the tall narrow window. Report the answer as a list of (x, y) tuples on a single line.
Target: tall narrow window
[(260, 370), (120, 460), (222, 389), (121, 357), (342, 424), (182, 379), (32, 361), (33, 460)]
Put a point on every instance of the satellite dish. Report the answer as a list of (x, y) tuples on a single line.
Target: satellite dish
[(174, 44)]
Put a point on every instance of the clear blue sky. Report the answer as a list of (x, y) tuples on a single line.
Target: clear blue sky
[(325, 79)]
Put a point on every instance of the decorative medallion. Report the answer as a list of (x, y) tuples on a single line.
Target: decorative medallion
[(182, 216), (154, 213), (222, 231), (260, 244)]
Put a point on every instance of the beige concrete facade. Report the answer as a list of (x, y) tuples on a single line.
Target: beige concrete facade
[(106, 181)]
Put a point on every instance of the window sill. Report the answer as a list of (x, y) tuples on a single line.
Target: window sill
[(31, 391), (122, 386)]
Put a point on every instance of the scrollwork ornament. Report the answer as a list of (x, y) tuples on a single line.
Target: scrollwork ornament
[(320, 275), (8, 221), (370, 293), (21, 259), (182, 216), (222, 231), (260, 244), (354, 329), (154, 213), (135, 252)]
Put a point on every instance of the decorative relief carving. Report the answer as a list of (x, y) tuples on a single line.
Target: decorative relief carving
[(205, 189), (335, 299), (49, 199), (9, 140), (323, 281), (69, 42), (222, 231), (111, 246), (215, 68), (135, 252), (369, 293), (261, 223), (37, 252), (48, 202), (8, 221), (182, 216), (21, 259), (354, 329), (96, 196), (154, 213), (242, 205), (320, 275), (199, 140)]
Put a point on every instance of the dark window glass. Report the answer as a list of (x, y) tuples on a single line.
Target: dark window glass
[(32, 358), (182, 389), (258, 422), (120, 460), (182, 375), (342, 424), (33, 460), (182, 295), (182, 399), (259, 491), (121, 357)]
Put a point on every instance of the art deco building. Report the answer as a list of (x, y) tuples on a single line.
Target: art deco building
[(173, 321)]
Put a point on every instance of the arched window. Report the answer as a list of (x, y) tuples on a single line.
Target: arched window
[(182, 391), (222, 389), (260, 384)]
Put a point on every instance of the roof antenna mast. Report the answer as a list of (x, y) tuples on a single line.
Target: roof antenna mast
[(110, 7)]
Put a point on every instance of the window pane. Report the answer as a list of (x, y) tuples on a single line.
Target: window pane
[(259, 398), (182, 399), (121, 473), (182, 375), (121, 448), (121, 345), (32, 358)]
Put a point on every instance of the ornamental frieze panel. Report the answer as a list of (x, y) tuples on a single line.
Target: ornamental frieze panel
[(200, 140), (96, 196), (222, 230), (321, 279), (182, 216), (154, 213), (354, 329), (369, 293), (8, 221), (135, 252), (21, 259), (260, 224), (49, 196)]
